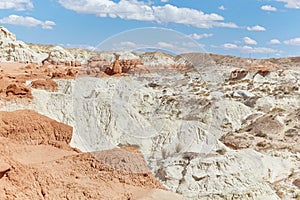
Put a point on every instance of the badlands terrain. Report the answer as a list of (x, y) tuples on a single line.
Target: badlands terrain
[(77, 124)]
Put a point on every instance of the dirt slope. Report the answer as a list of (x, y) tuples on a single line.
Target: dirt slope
[(45, 170)]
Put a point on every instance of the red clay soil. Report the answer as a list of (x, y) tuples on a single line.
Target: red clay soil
[(68, 175), (13, 78), (29, 127), (32, 166)]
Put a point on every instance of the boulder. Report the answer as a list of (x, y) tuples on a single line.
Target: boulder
[(242, 94)]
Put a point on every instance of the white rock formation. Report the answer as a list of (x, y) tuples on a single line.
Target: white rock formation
[(58, 54), (123, 55), (234, 175), (12, 50), (81, 57), (157, 58)]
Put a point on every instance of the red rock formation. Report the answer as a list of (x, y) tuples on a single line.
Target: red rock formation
[(116, 67), (97, 65), (46, 84), (71, 72), (238, 74), (256, 67), (75, 64), (18, 90)]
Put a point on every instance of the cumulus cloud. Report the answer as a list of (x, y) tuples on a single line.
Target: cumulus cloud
[(16, 4), (291, 3), (27, 21), (248, 49), (249, 41), (274, 41), (268, 8), (294, 41), (196, 36), (256, 28), (139, 10)]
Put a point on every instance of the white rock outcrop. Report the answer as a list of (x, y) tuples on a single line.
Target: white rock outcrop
[(157, 59), (13, 50), (58, 55), (234, 175), (123, 55)]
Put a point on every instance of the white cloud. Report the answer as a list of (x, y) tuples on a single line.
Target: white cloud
[(248, 49), (294, 41), (16, 4), (268, 8), (164, 1), (274, 41), (47, 24), (256, 28), (222, 8), (230, 46), (128, 44), (175, 47), (291, 3), (192, 44), (250, 41), (81, 46), (196, 36), (165, 45), (139, 10), (226, 25), (26, 21)]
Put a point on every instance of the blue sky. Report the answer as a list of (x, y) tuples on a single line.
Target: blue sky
[(248, 28)]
